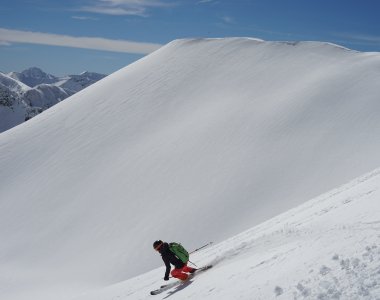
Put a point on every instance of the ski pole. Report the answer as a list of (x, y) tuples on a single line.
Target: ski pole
[(210, 243), (193, 263)]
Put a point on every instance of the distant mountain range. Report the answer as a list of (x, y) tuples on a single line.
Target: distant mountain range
[(26, 94)]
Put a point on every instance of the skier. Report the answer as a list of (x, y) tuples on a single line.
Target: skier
[(181, 269)]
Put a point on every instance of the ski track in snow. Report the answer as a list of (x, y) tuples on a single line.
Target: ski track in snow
[(323, 249)]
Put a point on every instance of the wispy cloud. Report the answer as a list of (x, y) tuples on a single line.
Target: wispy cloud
[(373, 39), (125, 7), (4, 43), (83, 18), (207, 1), (228, 20), (356, 39), (96, 43)]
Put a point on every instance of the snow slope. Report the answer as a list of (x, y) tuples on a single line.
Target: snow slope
[(327, 248), (198, 141)]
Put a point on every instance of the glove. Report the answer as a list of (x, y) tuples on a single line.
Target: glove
[(166, 278)]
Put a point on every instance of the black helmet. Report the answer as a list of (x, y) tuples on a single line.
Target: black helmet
[(157, 244)]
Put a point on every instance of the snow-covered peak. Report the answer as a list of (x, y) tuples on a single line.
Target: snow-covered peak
[(33, 76), (91, 74)]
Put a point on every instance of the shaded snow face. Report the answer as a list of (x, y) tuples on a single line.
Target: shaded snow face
[(196, 142)]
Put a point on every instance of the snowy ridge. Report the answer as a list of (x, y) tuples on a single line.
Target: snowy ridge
[(198, 141), (75, 83), (12, 84)]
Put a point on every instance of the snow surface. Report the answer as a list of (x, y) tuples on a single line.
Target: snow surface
[(327, 248), (198, 141)]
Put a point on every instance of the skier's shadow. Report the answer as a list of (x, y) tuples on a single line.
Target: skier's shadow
[(179, 288)]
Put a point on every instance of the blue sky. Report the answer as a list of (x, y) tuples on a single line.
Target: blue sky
[(71, 36)]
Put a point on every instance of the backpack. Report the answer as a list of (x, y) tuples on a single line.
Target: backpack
[(179, 251)]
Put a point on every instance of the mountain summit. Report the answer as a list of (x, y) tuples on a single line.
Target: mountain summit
[(198, 141), (33, 76)]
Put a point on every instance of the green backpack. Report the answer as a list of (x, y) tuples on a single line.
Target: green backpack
[(179, 251)]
